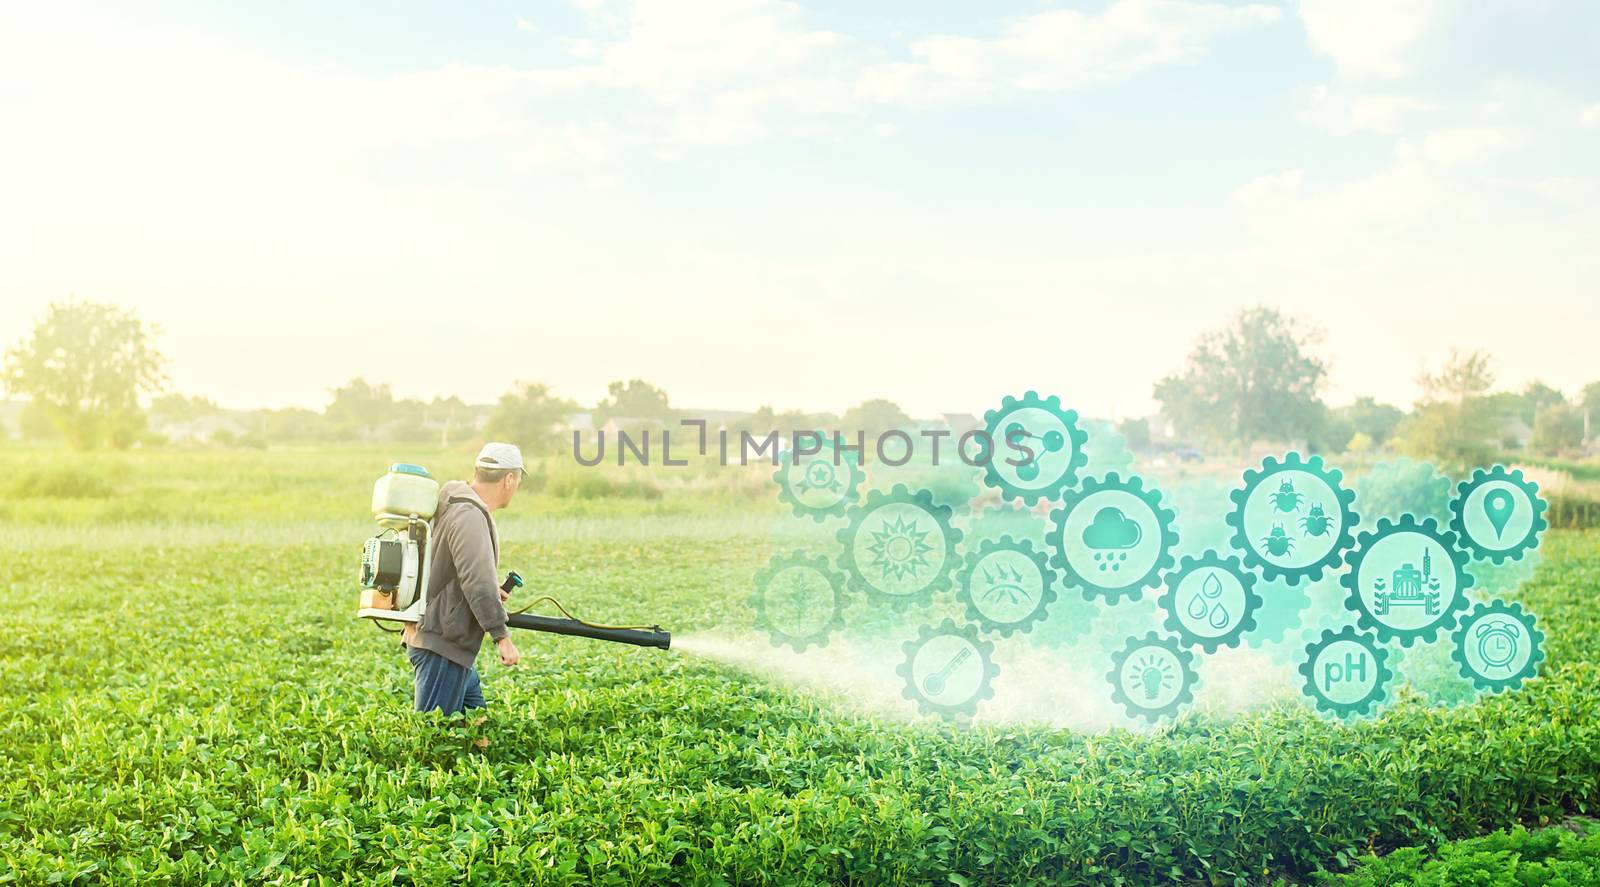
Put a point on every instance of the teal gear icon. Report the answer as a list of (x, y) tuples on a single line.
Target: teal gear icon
[(1152, 677), (813, 581), (1498, 477), (1361, 697), (819, 488), (1018, 585), (948, 669), (899, 546), (1032, 480), (1092, 581), (1498, 646), (1317, 523), (1205, 619), (1409, 586)]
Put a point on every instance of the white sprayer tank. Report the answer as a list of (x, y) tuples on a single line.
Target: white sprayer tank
[(406, 490)]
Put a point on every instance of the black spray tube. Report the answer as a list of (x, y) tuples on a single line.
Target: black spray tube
[(651, 637), (637, 637)]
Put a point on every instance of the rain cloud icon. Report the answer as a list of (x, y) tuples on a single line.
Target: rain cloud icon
[(1111, 529)]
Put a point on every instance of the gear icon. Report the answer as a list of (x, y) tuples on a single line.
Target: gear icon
[(799, 600), (1391, 595), (1492, 503), (1211, 601), (1497, 646), (1040, 431), (1016, 585), (899, 547), (1112, 538), (824, 487), (948, 669), (1152, 676), (1350, 685), (1314, 540)]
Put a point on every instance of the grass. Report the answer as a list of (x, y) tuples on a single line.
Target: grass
[(184, 698)]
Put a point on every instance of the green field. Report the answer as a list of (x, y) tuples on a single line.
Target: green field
[(186, 699)]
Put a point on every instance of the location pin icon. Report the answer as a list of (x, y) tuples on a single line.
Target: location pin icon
[(1497, 506)]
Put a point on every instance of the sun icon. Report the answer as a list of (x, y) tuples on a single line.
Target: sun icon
[(899, 549)]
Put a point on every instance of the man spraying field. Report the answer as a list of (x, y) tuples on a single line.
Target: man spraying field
[(464, 601)]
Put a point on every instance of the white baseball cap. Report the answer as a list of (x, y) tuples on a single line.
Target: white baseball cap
[(500, 455)]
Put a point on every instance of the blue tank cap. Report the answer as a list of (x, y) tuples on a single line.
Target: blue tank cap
[(409, 468)]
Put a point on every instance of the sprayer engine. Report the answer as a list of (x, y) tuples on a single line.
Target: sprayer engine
[(394, 563)]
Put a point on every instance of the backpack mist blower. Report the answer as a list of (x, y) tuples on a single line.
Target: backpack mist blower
[(394, 567)]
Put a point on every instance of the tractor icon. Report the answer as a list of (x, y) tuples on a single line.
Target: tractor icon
[(1409, 588)]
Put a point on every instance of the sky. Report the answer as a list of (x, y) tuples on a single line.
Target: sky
[(752, 202)]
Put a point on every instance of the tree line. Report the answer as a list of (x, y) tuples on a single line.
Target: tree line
[(91, 375)]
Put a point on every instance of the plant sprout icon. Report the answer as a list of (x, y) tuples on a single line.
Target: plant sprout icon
[(899, 548), (1155, 674), (819, 475), (1053, 442), (1006, 581), (1210, 590), (799, 600)]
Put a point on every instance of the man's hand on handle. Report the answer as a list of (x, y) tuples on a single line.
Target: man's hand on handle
[(509, 654)]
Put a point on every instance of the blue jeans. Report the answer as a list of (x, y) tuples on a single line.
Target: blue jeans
[(442, 684)]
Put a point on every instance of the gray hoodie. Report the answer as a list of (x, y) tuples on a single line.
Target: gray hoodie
[(463, 593)]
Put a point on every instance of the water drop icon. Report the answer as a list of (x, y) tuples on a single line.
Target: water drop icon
[(1220, 617)]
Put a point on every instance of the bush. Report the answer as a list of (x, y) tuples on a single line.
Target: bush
[(1573, 511), (61, 482), (598, 483)]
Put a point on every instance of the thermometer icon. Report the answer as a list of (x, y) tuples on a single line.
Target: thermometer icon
[(934, 684)]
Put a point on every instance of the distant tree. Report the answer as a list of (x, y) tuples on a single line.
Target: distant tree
[(291, 424), (531, 417), (1535, 397), (179, 408), (1253, 380), (406, 423), (36, 424), (85, 367), (359, 409), (1135, 433), (1589, 403), (1376, 420), (1559, 429), (635, 399), (1328, 431), (450, 413), (1455, 421), (873, 417)]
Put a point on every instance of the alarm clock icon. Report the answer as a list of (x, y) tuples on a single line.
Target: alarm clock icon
[(1497, 643)]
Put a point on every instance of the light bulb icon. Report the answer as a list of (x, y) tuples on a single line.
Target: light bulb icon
[(1151, 679), (1152, 673)]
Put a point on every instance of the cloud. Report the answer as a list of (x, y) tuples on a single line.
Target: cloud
[(1460, 147), (1111, 529), (1590, 116), (1340, 110), (525, 25), (1367, 38), (1058, 50)]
